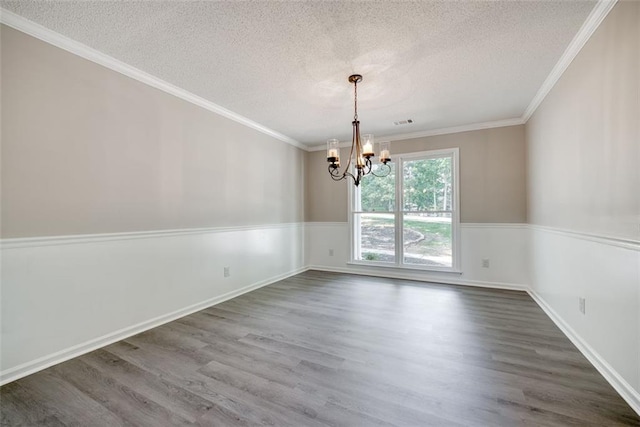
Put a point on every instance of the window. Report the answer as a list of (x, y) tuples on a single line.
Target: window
[(410, 218)]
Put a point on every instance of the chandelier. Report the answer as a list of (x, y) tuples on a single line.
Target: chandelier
[(360, 154)]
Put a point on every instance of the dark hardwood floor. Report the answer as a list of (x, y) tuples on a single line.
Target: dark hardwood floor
[(323, 349)]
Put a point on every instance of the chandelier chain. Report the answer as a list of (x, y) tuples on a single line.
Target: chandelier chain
[(355, 100)]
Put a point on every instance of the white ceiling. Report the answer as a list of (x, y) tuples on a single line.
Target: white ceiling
[(285, 64)]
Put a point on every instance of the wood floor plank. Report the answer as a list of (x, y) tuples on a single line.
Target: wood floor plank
[(181, 371), (328, 349), (20, 407), (64, 403), (305, 406), (178, 400), (128, 404)]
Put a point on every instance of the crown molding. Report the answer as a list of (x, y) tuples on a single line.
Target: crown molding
[(455, 129), (593, 21), (435, 132), (56, 39)]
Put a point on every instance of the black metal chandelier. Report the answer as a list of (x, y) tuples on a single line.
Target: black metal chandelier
[(360, 154)]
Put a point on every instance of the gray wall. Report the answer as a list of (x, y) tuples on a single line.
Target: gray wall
[(492, 176), (88, 150), (584, 140), (584, 190)]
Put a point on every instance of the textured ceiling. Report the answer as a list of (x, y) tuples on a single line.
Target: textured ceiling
[(285, 64)]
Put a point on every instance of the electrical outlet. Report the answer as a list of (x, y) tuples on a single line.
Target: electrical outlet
[(330, 252), (582, 305), (485, 263), (226, 272)]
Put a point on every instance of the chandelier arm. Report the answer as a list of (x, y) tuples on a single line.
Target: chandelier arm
[(369, 166), (335, 174), (350, 153), (388, 171), (357, 178), (345, 175), (334, 171), (360, 166), (346, 168)]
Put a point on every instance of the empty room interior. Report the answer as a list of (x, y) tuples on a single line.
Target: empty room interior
[(320, 213)]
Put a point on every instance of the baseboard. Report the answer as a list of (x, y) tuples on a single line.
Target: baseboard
[(44, 362), (631, 396), (421, 277)]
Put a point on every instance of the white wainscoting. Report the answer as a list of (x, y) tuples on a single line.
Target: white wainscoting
[(65, 296), (566, 266), (505, 245)]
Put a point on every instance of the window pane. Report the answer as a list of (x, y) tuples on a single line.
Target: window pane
[(378, 194), (375, 237), (427, 239), (427, 184)]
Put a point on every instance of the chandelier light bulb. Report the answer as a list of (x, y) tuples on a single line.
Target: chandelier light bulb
[(385, 154), (367, 148)]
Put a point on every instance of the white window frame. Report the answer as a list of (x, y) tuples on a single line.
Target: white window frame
[(398, 162)]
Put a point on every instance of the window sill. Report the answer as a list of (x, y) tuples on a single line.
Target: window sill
[(404, 267)]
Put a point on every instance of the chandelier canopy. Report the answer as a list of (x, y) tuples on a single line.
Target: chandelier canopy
[(360, 154)]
